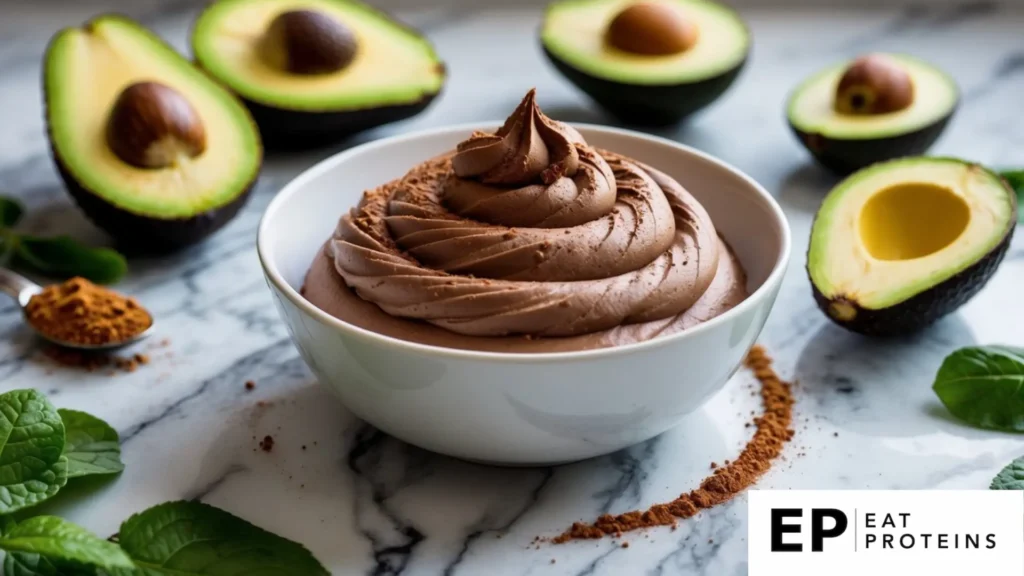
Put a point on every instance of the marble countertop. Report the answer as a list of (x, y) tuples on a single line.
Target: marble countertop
[(367, 504)]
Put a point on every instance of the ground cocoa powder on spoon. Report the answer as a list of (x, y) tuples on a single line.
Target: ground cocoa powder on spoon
[(771, 434)]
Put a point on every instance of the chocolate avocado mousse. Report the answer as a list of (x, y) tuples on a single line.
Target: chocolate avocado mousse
[(526, 240)]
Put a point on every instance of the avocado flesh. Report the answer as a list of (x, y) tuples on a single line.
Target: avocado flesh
[(898, 245), (85, 70), (574, 32), (845, 143), (393, 65), (640, 89)]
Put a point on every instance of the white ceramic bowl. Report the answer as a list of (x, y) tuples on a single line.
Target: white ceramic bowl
[(520, 408)]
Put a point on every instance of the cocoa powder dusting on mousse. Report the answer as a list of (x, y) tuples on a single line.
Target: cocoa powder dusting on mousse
[(771, 434)]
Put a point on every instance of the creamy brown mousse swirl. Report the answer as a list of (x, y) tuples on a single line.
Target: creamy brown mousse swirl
[(528, 231)]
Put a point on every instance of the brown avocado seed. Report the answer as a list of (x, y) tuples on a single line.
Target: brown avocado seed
[(651, 29), (152, 126), (874, 84), (307, 42)]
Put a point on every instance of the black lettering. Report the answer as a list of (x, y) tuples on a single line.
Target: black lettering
[(943, 541), (903, 541), (925, 537), (973, 540), (888, 522), (991, 538), (904, 515), (779, 528), (868, 540), (818, 531), (869, 520), (886, 540)]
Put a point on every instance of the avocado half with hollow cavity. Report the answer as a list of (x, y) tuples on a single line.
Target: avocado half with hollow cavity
[(153, 151), (875, 108), (647, 63), (900, 244), (315, 71)]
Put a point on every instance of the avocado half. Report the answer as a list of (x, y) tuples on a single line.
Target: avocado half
[(845, 143), (389, 72), (900, 244), (646, 90), (146, 208)]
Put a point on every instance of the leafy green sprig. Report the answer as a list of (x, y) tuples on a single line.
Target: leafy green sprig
[(41, 448), (984, 386), (58, 256)]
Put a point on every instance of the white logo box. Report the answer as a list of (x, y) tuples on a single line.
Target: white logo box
[(933, 532)]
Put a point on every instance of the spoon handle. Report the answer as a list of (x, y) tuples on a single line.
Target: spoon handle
[(17, 286)]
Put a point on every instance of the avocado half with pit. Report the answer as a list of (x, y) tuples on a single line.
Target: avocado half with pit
[(900, 244), (875, 108), (315, 71), (153, 151), (647, 63)]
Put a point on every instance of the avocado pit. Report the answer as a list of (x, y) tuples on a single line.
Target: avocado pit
[(651, 29), (152, 125), (874, 84), (307, 42)]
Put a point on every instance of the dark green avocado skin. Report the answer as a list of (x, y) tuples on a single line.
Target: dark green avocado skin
[(847, 156), (651, 106), (136, 234), (283, 129), (920, 311)]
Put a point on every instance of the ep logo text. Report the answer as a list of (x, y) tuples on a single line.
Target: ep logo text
[(787, 521)]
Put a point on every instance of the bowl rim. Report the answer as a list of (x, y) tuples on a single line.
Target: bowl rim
[(300, 181)]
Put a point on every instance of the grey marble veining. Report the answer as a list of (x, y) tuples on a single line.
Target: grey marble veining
[(367, 504)]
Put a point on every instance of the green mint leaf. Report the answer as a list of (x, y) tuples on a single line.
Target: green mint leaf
[(1015, 178), (61, 541), (64, 257), (195, 539), (7, 523), (32, 467), (91, 446), (1011, 477), (26, 564), (10, 212), (984, 386), (8, 243)]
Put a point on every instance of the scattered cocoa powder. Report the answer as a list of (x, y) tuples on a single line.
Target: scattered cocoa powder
[(80, 312), (267, 444), (773, 430), (91, 361)]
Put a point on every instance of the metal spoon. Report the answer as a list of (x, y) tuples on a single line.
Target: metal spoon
[(22, 290)]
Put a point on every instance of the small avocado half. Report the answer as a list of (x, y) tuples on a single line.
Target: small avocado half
[(647, 63), (875, 108), (154, 151), (316, 71), (902, 243)]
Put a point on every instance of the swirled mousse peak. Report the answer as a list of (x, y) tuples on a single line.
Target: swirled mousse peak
[(532, 172), (529, 145), (527, 232)]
